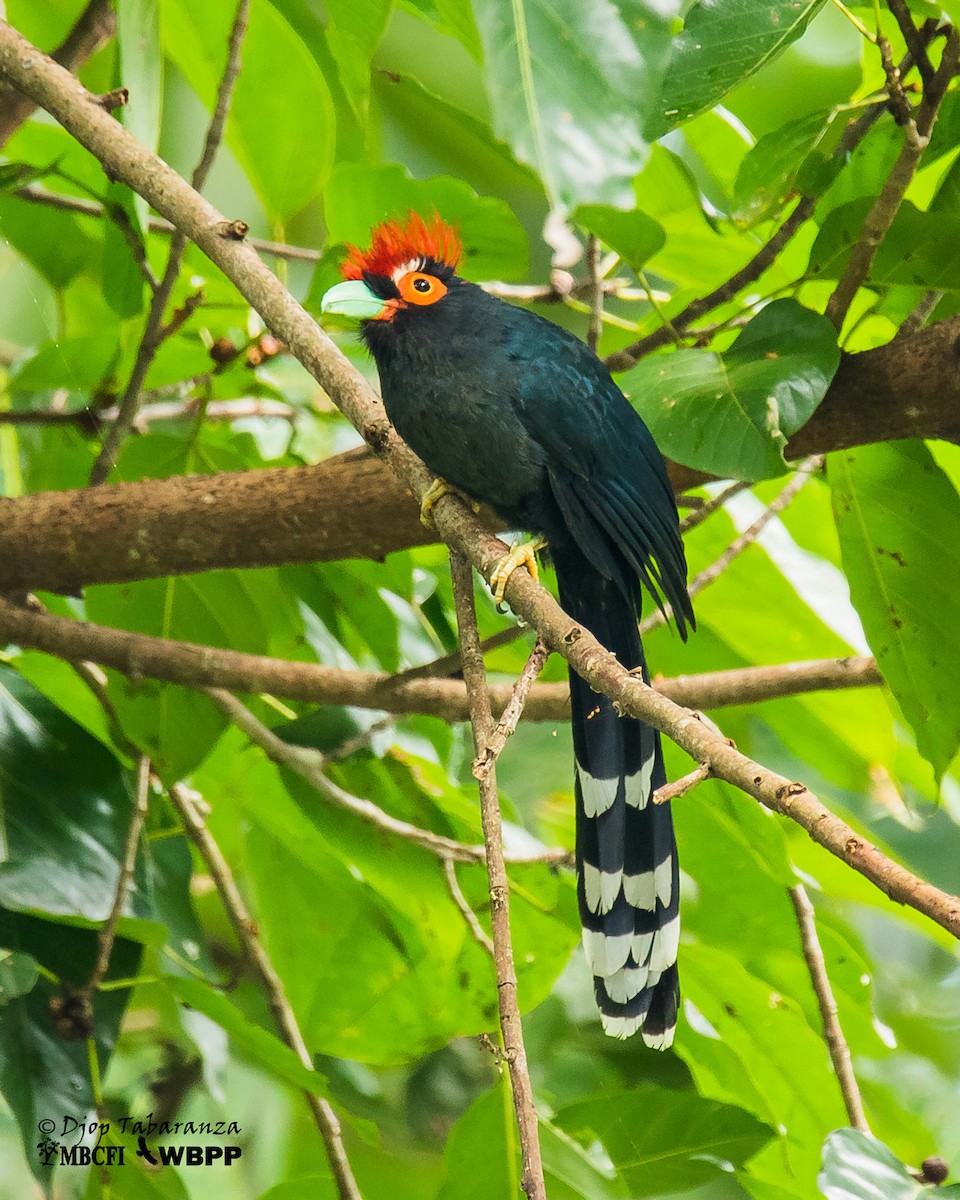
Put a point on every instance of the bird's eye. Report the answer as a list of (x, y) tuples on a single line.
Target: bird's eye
[(417, 287)]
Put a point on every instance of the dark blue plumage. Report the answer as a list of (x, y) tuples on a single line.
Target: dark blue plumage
[(518, 413)]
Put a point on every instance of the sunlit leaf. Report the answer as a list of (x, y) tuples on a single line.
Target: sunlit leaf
[(894, 509), (732, 414)]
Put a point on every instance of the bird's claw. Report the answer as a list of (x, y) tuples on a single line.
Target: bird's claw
[(523, 555), (436, 491)]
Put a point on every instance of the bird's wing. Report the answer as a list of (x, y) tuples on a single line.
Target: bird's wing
[(605, 470)]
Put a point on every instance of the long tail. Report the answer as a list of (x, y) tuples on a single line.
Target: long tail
[(627, 871)]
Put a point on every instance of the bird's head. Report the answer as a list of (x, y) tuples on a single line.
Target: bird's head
[(409, 265)]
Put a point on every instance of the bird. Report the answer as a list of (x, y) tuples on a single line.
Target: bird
[(519, 414)]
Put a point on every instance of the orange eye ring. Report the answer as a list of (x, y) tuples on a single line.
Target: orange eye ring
[(416, 287)]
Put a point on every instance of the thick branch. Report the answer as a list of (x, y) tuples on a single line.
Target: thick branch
[(49, 85), (138, 654), (352, 505)]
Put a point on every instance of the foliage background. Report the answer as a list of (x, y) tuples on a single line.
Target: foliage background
[(344, 113)]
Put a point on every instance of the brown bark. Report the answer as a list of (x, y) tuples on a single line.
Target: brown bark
[(352, 505)]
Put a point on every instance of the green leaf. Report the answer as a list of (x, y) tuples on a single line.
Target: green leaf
[(732, 414), (662, 1141), (256, 1044), (123, 279), (54, 242), (756, 1050), (79, 364), (359, 197), (723, 43), (265, 127), (44, 1076), (66, 809), (895, 510), (633, 235), (770, 169), (920, 249), (482, 1151), (570, 84), (353, 30), (858, 1167), (18, 974), (141, 66)]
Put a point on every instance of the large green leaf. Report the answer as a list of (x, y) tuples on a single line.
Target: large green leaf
[(858, 1167), (723, 43), (633, 235), (569, 85), (265, 128), (359, 197), (45, 1076), (756, 1050), (354, 28), (896, 511), (732, 414), (662, 1141)]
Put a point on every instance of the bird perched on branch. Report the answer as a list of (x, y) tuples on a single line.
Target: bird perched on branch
[(517, 413)]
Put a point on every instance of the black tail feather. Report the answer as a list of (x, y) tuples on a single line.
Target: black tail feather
[(627, 870)]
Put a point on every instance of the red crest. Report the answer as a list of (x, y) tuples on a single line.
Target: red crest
[(398, 241)]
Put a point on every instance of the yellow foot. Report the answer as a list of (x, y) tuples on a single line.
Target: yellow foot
[(523, 555), (436, 491)]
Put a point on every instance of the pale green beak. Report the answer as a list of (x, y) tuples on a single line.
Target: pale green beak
[(352, 299)]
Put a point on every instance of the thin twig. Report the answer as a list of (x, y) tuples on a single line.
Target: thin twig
[(108, 933), (713, 572), (155, 331), (832, 1032), (922, 313), (510, 718), (915, 41), (479, 933), (917, 127), (245, 928), (595, 326), (481, 720), (699, 515), (680, 787), (311, 765)]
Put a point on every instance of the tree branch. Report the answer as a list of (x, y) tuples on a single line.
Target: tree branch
[(511, 1027), (832, 1031), (917, 127), (57, 91), (140, 655)]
